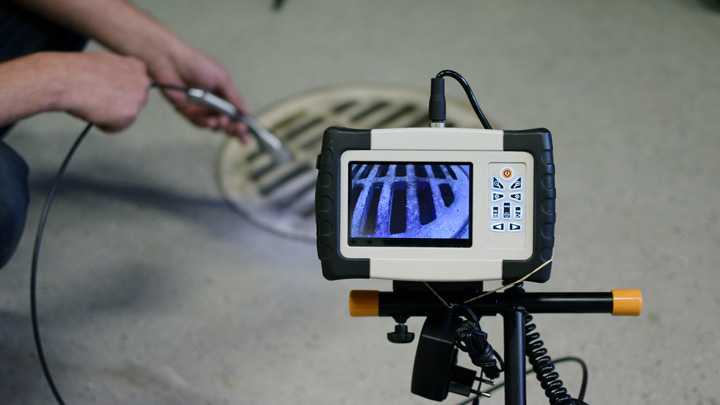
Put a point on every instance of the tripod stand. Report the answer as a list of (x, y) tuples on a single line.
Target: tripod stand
[(436, 372)]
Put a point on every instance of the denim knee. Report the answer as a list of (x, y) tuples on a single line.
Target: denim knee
[(13, 200)]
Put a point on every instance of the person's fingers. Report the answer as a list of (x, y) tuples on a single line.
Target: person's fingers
[(222, 123), (239, 130)]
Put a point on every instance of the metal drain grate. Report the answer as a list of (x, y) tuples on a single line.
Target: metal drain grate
[(281, 197)]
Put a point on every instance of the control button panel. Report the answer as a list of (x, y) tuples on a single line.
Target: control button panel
[(507, 205)]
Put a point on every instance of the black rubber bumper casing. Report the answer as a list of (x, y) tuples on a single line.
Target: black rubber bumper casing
[(327, 196), (537, 142)]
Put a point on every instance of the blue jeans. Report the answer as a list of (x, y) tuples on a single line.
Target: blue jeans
[(22, 33), (13, 200)]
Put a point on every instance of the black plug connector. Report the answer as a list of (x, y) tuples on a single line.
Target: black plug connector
[(437, 99), (437, 110)]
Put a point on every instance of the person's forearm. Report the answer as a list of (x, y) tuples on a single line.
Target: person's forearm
[(168, 60), (103, 88), (116, 24), (28, 88)]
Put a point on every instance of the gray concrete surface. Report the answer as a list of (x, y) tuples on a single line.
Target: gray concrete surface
[(153, 291)]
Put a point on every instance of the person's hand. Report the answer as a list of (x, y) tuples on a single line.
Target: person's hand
[(190, 68), (103, 88), (127, 30)]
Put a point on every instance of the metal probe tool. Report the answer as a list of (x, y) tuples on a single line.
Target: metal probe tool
[(268, 141)]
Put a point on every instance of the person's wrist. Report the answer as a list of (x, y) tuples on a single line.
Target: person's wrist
[(51, 83), (158, 52)]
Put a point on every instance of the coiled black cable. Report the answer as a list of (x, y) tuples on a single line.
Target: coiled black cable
[(471, 339), (568, 359), (543, 367)]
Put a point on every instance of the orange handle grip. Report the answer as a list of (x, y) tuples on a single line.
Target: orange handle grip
[(364, 303), (627, 302)]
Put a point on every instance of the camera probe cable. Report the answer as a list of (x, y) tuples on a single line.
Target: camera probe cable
[(34, 267), (215, 103)]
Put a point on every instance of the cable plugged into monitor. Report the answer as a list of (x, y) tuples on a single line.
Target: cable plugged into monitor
[(437, 109)]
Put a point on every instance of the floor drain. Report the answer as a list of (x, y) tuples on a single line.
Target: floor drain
[(281, 197)]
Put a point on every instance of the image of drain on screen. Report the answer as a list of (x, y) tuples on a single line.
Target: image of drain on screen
[(410, 204)]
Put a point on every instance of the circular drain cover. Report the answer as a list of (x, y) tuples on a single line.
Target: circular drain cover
[(281, 196)]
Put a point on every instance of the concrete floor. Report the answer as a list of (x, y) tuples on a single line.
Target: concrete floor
[(152, 290)]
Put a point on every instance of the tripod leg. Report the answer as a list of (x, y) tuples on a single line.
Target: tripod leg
[(514, 325)]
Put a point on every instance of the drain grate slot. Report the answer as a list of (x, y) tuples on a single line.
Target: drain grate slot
[(437, 171), (313, 144), (372, 109), (425, 203), (355, 169), (422, 122), (395, 116), (303, 128), (293, 198), (284, 179), (355, 196), (371, 208), (258, 174), (420, 171), (366, 171), (252, 157), (342, 107), (447, 194), (383, 170), (282, 126), (398, 215)]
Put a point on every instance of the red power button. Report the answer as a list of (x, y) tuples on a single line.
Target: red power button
[(506, 173)]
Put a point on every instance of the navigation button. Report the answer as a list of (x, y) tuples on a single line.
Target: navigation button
[(515, 227), (497, 196), (497, 184), (499, 227), (516, 197), (495, 214), (506, 210), (517, 184), (518, 215)]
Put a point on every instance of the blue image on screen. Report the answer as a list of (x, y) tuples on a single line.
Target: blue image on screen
[(411, 201)]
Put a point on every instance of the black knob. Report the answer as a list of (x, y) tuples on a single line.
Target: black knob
[(401, 334)]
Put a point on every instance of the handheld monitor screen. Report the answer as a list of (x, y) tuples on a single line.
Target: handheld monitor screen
[(423, 204)]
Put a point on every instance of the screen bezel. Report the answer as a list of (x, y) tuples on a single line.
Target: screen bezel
[(411, 242)]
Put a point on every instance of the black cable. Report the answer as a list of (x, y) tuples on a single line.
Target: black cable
[(36, 251), (471, 339), (466, 86), (543, 365), (38, 241), (583, 384)]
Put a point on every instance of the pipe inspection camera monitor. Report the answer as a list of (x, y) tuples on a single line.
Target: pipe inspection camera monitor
[(435, 204)]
